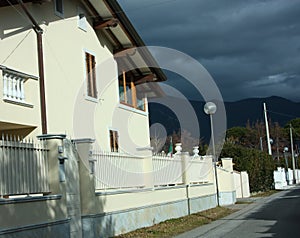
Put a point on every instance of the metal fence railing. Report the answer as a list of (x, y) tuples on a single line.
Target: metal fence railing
[(23, 167)]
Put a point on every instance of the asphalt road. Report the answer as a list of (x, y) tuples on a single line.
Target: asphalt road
[(274, 216)]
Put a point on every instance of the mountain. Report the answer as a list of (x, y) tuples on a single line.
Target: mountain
[(279, 109), (238, 113)]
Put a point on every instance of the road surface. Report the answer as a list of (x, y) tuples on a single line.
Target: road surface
[(274, 216)]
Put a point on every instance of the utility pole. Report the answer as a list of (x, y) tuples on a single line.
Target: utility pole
[(293, 154), (39, 32), (267, 130)]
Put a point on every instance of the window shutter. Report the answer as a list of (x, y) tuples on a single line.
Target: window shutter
[(91, 75)]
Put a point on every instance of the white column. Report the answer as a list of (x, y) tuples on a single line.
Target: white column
[(18, 88), (22, 93), (5, 85), (14, 87), (10, 86)]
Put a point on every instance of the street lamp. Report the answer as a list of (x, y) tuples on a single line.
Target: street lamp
[(210, 108)]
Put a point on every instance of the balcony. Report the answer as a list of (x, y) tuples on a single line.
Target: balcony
[(14, 86), (19, 102)]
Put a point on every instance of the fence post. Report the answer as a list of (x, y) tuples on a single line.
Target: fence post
[(55, 160), (209, 168), (227, 164), (84, 149), (185, 157), (148, 172), (87, 179)]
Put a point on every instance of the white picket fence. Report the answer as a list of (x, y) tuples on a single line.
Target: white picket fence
[(115, 171), (119, 171), (199, 169), (167, 170), (23, 167)]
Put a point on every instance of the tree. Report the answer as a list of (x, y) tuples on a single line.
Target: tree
[(258, 164)]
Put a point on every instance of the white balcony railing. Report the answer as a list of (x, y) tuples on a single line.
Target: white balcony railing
[(13, 86)]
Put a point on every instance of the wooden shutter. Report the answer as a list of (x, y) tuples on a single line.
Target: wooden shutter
[(91, 75), (114, 145)]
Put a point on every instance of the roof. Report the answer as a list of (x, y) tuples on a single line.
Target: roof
[(124, 37), (4, 3), (113, 22)]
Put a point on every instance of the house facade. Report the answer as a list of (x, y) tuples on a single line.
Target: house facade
[(75, 74), (91, 89)]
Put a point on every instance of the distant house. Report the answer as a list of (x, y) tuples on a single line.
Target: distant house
[(82, 85)]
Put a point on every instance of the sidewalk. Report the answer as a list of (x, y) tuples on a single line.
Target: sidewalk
[(244, 209)]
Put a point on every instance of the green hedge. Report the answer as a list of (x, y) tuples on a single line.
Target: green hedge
[(258, 164)]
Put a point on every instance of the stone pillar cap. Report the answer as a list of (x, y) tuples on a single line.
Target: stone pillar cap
[(51, 136)]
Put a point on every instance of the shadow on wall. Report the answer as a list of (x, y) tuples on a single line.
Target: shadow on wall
[(42, 15), (85, 209), (26, 200)]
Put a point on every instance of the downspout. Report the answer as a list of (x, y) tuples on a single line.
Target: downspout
[(39, 32)]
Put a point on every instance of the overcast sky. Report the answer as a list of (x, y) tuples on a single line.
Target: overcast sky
[(250, 47)]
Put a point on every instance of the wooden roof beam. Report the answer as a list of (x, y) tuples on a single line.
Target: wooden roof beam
[(145, 79), (110, 23), (124, 52)]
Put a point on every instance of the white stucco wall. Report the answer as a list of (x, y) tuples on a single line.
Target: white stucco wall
[(68, 110)]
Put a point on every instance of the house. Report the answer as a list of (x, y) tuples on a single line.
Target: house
[(74, 69), (78, 69)]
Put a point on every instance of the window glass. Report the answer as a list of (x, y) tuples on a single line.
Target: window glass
[(59, 8)]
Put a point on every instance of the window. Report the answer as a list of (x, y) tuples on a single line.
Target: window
[(114, 141), (82, 23), (59, 8), (128, 93), (91, 75)]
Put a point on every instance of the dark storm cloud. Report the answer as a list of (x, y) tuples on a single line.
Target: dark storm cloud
[(251, 48)]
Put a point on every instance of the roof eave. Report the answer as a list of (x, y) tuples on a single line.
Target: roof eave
[(137, 41)]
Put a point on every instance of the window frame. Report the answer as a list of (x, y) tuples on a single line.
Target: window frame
[(133, 100), (82, 21), (91, 89), (113, 136), (56, 10)]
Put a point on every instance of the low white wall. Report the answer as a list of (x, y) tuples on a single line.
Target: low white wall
[(108, 212), (227, 193), (238, 184), (127, 211), (241, 183), (245, 184)]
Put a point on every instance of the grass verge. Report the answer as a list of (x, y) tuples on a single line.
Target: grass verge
[(244, 202), (176, 226), (264, 194)]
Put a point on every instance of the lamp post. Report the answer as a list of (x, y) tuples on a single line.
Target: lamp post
[(210, 108)]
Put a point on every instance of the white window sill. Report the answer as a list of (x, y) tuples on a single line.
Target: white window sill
[(91, 99), (59, 14), (131, 109), (21, 103)]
